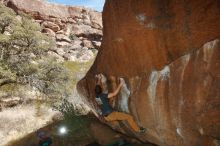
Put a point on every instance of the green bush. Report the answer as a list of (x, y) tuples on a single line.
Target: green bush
[(24, 59), (73, 36)]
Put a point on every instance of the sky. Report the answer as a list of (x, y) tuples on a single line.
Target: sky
[(94, 4)]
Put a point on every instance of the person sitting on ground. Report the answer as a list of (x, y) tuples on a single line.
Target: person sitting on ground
[(107, 111), (44, 139)]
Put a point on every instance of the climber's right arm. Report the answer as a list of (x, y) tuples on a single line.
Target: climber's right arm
[(114, 93)]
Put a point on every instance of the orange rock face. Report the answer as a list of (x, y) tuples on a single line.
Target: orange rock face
[(168, 53)]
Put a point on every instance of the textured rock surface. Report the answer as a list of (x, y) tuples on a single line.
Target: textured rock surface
[(67, 25), (168, 53)]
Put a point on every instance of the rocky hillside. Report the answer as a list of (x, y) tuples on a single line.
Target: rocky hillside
[(76, 30), (25, 65), (168, 55)]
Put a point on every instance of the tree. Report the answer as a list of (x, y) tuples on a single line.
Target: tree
[(6, 18), (24, 59)]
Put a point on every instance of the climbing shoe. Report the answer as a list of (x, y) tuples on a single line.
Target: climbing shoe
[(142, 130)]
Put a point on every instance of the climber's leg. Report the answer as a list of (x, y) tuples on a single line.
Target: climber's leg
[(119, 116), (114, 123)]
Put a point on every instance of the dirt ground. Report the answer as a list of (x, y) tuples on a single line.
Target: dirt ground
[(98, 132)]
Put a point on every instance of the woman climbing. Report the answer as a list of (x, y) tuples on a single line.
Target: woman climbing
[(107, 111)]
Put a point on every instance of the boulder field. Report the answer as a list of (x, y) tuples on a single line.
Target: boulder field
[(77, 31), (168, 54)]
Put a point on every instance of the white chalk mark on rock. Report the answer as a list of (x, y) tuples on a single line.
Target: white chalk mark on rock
[(104, 83), (124, 99), (178, 131), (151, 25), (154, 78), (141, 17), (201, 131), (208, 49)]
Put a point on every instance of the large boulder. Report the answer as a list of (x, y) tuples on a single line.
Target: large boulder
[(51, 25), (167, 52), (43, 9), (10, 102), (62, 37), (49, 32), (88, 44)]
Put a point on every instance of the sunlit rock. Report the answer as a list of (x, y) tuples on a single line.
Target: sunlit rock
[(168, 54)]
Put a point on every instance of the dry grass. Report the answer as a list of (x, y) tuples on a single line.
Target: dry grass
[(17, 122), (22, 120)]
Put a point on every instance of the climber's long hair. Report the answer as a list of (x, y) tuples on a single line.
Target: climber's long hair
[(98, 90)]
